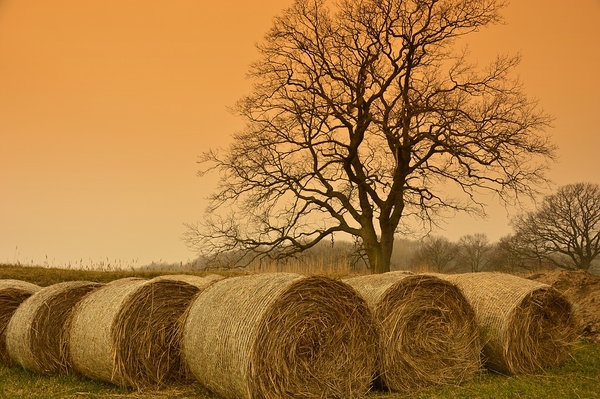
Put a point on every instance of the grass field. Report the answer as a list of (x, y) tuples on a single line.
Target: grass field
[(577, 378)]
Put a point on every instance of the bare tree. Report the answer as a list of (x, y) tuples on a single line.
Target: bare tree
[(436, 252), (474, 251), (362, 118), (565, 229), (512, 254)]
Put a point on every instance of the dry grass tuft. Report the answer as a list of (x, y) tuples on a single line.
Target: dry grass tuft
[(126, 332), (35, 336), (427, 330), (12, 294), (526, 325), (280, 335)]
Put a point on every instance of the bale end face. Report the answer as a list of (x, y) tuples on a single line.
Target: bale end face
[(128, 332), (146, 333), (316, 341), (280, 335), (36, 335), (12, 294), (542, 332), (526, 325), (428, 334)]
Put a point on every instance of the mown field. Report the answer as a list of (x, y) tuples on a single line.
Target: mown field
[(577, 378)]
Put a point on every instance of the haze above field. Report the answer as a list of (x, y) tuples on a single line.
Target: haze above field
[(105, 105)]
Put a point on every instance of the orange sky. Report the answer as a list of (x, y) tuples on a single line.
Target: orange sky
[(105, 105)]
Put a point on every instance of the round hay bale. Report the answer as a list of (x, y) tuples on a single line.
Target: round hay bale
[(12, 294), (35, 336), (427, 330), (525, 325), (280, 335), (126, 332), (147, 335)]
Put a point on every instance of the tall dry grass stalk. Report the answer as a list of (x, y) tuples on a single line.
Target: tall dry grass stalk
[(314, 267)]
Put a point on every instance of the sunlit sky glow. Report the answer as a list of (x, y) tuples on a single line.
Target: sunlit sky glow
[(106, 104)]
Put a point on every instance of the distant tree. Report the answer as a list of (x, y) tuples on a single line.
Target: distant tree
[(361, 117), (404, 252), (474, 251), (511, 254), (437, 252), (565, 229)]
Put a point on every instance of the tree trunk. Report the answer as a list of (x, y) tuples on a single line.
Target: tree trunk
[(379, 253), (377, 261), (585, 263)]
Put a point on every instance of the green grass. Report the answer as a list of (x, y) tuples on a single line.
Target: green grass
[(579, 377), (18, 383)]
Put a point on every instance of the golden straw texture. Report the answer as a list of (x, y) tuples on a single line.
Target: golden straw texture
[(12, 294), (526, 326), (89, 331), (427, 330), (126, 332), (147, 329), (35, 336), (280, 335)]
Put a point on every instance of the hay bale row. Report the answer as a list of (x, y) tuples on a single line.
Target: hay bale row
[(12, 294), (280, 335), (525, 325), (127, 332), (427, 330), (285, 335), (35, 336)]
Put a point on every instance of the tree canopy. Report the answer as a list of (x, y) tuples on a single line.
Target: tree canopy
[(436, 253), (474, 251), (565, 229), (364, 115)]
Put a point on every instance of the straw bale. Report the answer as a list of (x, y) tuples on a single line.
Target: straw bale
[(126, 332), (147, 330), (35, 336), (89, 331), (280, 335), (12, 294), (427, 330), (526, 325)]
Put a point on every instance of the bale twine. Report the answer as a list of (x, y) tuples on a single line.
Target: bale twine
[(35, 336), (12, 294), (280, 335), (125, 332), (526, 325), (427, 330)]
